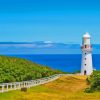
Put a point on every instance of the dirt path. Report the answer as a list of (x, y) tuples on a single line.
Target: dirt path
[(64, 88)]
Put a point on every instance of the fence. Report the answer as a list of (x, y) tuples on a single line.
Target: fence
[(5, 87)]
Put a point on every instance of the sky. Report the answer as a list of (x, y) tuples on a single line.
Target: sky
[(49, 20)]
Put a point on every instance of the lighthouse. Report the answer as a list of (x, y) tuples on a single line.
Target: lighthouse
[(86, 65)]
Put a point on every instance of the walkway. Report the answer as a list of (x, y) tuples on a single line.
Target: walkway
[(5, 87)]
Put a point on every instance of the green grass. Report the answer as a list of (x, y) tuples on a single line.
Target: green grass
[(65, 88)]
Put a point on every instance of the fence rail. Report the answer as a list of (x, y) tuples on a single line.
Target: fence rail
[(5, 87)]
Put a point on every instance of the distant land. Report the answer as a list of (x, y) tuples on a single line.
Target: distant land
[(43, 47)]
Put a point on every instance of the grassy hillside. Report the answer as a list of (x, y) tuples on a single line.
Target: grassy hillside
[(16, 69), (64, 88)]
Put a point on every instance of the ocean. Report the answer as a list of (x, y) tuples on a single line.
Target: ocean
[(63, 62)]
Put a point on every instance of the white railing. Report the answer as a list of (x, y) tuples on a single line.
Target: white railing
[(5, 87)]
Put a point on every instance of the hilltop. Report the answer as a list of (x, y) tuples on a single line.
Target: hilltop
[(16, 69)]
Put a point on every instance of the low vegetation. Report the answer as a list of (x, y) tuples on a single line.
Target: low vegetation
[(94, 82), (16, 69), (64, 88)]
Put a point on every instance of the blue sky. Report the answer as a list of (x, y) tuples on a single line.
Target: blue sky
[(49, 20)]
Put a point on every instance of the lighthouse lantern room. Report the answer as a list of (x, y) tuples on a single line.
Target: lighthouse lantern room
[(86, 65)]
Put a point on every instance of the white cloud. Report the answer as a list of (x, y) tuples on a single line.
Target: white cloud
[(48, 42)]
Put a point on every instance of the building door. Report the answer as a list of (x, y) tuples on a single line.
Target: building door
[(85, 72)]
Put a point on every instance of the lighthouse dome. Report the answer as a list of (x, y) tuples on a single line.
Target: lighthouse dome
[(86, 35)]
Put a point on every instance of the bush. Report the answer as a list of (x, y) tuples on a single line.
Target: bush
[(88, 81), (16, 69), (94, 81), (98, 88), (88, 90)]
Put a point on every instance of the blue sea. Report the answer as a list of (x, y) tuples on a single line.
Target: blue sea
[(63, 62)]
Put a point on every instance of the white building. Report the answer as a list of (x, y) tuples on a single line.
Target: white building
[(86, 66)]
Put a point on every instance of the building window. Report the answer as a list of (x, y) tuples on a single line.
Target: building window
[(85, 53), (85, 58), (85, 64)]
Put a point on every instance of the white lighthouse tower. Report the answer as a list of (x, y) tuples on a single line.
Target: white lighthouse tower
[(86, 66)]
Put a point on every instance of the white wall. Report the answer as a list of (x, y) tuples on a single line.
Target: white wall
[(88, 67)]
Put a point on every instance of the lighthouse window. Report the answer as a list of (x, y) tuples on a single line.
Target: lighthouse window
[(85, 64), (85, 46), (85, 53), (85, 58)]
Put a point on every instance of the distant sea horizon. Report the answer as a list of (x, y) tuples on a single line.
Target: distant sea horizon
[(64, 62)]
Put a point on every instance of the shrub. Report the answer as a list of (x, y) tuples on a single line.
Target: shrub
[(16, 69), (88, 90), (94, 81)]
